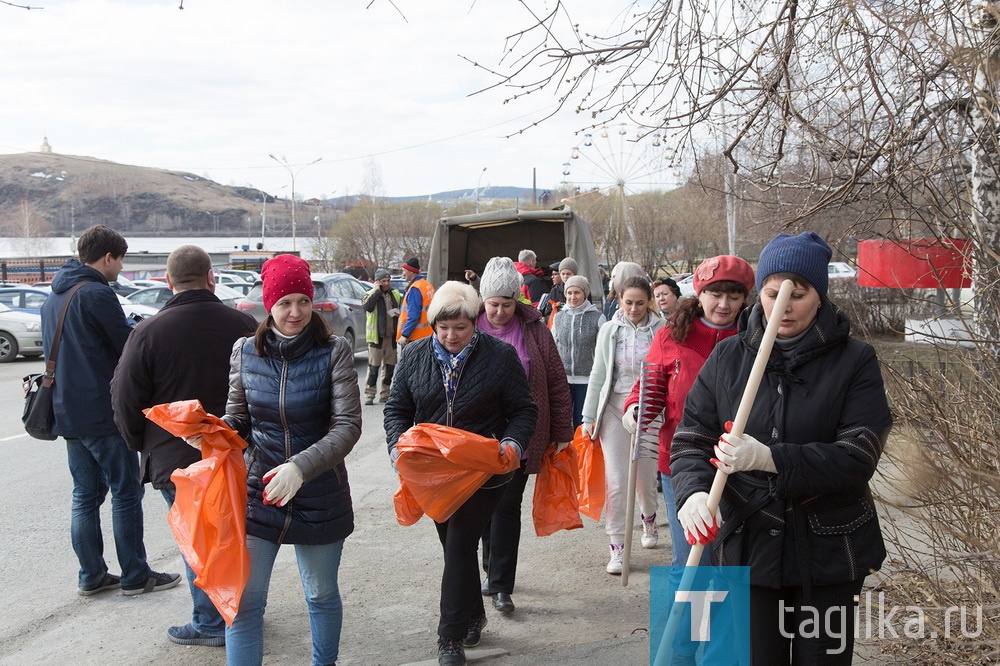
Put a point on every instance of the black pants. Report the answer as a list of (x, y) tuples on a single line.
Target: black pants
[(823, 627), (502, 536), (461, 599)]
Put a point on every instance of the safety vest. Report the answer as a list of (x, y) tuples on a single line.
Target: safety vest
[(423, 328), (371, 318)]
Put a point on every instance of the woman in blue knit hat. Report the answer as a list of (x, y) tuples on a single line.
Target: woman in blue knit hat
[(797, 508)]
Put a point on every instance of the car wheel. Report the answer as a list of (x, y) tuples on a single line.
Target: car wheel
[(8, 347), (349, 336)]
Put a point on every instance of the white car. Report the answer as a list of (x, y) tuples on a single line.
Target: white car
[(20, 333), (686, 285), (841, 269)]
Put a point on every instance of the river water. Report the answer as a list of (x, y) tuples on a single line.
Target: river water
[(17, 248)]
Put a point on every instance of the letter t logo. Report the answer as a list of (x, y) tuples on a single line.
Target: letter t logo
[(701, 609)]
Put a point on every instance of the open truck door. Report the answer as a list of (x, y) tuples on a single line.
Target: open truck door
[(469, 241)]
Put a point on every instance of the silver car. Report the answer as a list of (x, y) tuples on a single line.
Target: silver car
[(336, 298), (20, 333)]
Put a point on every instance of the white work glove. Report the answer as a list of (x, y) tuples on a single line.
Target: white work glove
[(195, 441), (392, 312), (743, 453), (393, 457), (509, 443), (282, 483), (630, 419), (402, 342), (590, 430), (700, 526), (561, 446)]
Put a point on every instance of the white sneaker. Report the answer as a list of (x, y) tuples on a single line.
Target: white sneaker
[(650, 533), (615, 564)]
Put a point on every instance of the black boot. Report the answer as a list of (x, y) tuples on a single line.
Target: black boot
[(450, 652)]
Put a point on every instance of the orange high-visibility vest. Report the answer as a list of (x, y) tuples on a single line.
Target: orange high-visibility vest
[(423, 328)]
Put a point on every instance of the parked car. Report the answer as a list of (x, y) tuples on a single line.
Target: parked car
[(123, 286), (841, 269), (135, 312), (246, 276), (685, 284), (242, 287), (23, 299), (336, 298), (400, 283), (157, 297), (147, 283), (228, 278), (20, 333)]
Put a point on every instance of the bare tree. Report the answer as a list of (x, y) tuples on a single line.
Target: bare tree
[(863, 118)]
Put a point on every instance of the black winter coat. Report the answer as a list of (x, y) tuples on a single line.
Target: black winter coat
[(492, 397), (180, 354), (301, 404), (823, 412)]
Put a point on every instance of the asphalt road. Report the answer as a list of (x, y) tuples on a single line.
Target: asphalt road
[(569, 609)]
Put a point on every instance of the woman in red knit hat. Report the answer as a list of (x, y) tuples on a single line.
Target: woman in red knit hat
[(293, 394)]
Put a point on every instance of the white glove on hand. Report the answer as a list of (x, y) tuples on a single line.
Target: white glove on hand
[(393, 312), (513, 445), (393, 457), (590, 429), (698, 522), (630, 419), (561, 446), (743, 453), (282, 483), (195, 441), (402, 342)]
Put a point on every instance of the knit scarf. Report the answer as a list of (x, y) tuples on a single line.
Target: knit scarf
[(451, 364)]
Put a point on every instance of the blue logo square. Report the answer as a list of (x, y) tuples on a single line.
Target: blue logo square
[(701, 615)]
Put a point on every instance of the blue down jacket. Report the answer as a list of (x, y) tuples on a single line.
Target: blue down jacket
[(300, 404)]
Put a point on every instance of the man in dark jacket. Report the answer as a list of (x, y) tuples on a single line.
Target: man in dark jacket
[(93, 335), (180, 354), (382, 305)]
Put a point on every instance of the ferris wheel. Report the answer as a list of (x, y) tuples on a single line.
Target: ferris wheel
[(616, 161)]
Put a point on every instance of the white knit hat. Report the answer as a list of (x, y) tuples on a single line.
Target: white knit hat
[(500, 278)]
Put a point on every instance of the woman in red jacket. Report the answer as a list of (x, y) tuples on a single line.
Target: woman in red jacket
[(679, 349)]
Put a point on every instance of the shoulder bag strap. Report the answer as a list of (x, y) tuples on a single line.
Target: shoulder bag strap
[(50, 365)]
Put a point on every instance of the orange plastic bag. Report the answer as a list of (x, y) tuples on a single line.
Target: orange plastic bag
[(208, 517), (555, 505), (441, 467), (590, 479)]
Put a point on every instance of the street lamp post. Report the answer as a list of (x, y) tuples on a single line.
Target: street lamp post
[(293, 173), (477, 187)]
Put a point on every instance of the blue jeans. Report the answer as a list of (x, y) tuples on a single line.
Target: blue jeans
[(205, 617), (318, 568), (577, 394), (99, 464)]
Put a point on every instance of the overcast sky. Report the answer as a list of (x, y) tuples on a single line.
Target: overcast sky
[(213, 89)]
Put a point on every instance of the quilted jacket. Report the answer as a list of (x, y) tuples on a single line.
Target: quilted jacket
[(299, 404)]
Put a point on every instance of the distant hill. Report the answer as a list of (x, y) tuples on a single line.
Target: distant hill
[(522, 194), (50, 193)]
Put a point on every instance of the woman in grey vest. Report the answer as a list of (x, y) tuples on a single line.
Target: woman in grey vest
[(575, 329)]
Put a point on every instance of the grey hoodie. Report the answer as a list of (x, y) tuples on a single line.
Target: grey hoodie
[(575, 332)]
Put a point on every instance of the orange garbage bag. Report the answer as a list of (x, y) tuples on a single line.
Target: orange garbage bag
[(555, 505), (590, 481), (208, 517), (441, 467)]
